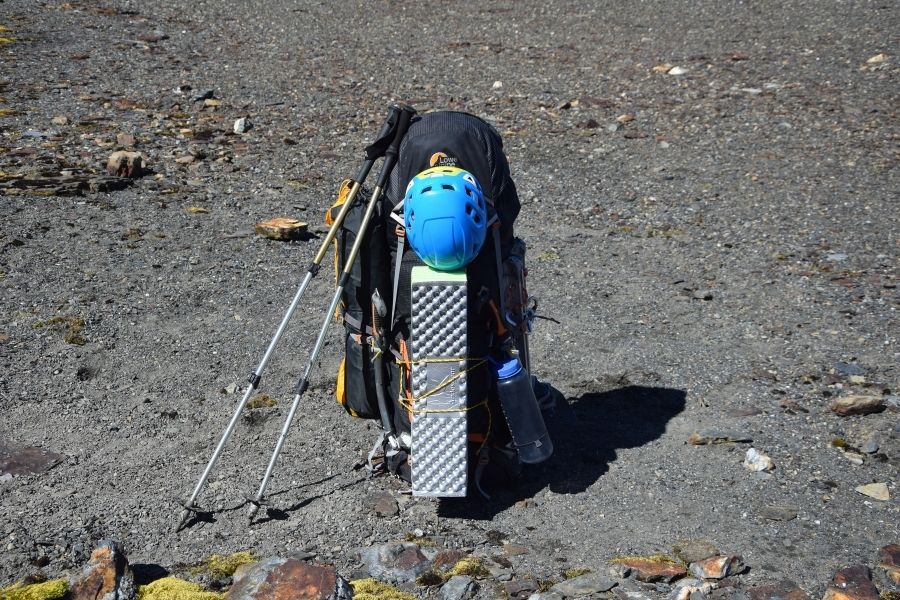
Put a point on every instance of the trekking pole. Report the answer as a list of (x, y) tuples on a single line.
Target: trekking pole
[(390, 158), (374, 151)]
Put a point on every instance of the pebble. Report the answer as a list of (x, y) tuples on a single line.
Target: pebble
[(879, 491), (242, 125), (497, 85), (677, 71), (848, 368), (756, 461), (778, 513), (231, 388), (870, 447), (60, 120), (846, 406)]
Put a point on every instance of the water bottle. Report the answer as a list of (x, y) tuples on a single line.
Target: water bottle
[(523, 415)]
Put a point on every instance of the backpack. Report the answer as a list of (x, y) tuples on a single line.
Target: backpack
[(498, 308)]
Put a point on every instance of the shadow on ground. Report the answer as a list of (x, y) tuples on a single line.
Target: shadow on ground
[(586, 432)]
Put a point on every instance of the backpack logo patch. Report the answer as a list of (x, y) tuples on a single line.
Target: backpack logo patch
[(440, 159)]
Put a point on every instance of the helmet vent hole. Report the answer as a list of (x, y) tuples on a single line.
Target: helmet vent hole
[(447, 186), (469, 208), (425, 190)]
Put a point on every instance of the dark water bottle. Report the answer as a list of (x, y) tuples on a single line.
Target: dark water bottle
[(523, 415)]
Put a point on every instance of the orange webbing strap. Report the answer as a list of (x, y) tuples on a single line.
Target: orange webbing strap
[(501, 328), (407, 364)]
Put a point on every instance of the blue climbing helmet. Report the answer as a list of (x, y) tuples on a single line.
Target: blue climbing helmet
[(445, 217)]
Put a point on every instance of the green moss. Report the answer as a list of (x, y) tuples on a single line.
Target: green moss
[(172, 588), (471, 566), (890, 595), (429, 578), (48, 590), (422, 542), (372, 589), (261, 401), (73, 326), (219, 567), (544, 585), (573, 573)]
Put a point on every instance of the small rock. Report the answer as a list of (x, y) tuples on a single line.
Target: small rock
[(879, 491), (752, 91), (519, 590), (778, 513), (279, 577), (852, 583), (126, 140), (60, 120), (846, 406), (459, 587), (231, 388), (626, 118), (836, 257), (703, 295), (689, 551), (281, 228), (848, 368), (447, 558), (584, 585), (870, 447), (395, 562), (107, 575), (663, 68), (677, 71), (857, 379), (690, 589), (125, 164), (782, 590), (878, 58), (717, 436), (717, 567), (203, 96), (384, 504), (614, 127), (756, 461), (652, 569), (497, 85), (185, 160), (889, 560), (242, 125), (589, 124), (515, 550)]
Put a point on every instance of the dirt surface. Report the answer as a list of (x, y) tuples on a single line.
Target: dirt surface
[(717, 248)]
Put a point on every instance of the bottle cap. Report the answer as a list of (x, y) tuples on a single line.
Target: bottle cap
[(509, 368)]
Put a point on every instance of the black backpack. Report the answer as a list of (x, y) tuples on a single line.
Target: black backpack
[(498, 304)]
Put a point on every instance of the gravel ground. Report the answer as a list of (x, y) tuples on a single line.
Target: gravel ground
[(717, 248)]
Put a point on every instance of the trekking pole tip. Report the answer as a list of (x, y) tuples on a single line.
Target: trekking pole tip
[(251, 513), (182, 519)]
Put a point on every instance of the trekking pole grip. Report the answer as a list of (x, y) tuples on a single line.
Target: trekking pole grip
[(377, 148), (390, 156)]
